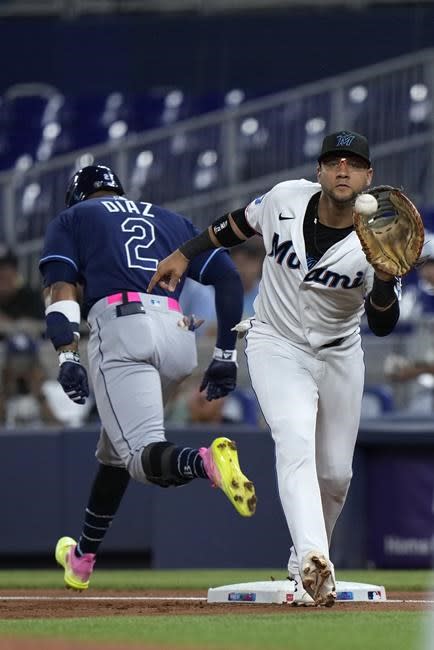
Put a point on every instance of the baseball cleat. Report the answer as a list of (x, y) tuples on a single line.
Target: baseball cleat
[(77, 569), (301, 597), (221, 464), (318, 579)]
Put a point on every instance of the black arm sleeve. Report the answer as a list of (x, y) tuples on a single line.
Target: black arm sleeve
[(382, 322), (222, 231), (222, 273), (229, 308), (239, 217)]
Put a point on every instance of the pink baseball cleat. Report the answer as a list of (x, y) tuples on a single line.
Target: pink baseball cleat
[(77, 569)]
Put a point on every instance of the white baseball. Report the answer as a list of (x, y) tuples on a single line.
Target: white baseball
[(366, 204)]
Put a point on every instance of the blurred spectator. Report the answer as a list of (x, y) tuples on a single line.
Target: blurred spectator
[(418, 289), (21, 307), (377, 400), (412, 374), (27, 397), (190, 406), (198, 300), (248, 258), (400, 370), (199, 409)]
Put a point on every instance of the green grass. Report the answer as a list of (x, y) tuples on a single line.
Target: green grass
[(312, 630), (202, 579), (283, 628)]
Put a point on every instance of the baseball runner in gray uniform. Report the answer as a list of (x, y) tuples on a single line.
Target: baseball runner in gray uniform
[(140, 348), (303, 344)]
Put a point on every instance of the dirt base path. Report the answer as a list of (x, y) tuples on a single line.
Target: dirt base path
[(63, 603)]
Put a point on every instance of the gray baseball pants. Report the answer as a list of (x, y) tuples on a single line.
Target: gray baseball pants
[(135, 362)]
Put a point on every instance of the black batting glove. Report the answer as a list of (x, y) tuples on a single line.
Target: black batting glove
[(220, 377), (73, 377)]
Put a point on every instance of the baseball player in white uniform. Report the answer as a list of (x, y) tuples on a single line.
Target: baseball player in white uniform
[(303, 345)]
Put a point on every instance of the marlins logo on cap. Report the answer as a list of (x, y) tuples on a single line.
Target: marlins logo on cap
[(345, 142)]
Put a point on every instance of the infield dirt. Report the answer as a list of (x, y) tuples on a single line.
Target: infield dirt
[(63, 603)]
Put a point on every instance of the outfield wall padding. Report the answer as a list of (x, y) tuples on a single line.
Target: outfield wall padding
[(387, 520)]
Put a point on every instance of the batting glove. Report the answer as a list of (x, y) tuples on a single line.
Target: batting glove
[(73, 377), (220, 377)]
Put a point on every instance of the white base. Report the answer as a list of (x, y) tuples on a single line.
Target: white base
[(282, 591)]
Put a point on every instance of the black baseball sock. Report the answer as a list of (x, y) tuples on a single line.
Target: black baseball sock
[(187, 463), (106, 495), (166, 464)]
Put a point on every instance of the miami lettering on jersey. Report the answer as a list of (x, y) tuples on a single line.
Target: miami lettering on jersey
[(280, 251), (321, 275), (283, 252)]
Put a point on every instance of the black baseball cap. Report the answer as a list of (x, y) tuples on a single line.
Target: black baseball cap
[(344, 142)]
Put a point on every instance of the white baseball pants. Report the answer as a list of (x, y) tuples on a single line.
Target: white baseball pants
[(311, 401)]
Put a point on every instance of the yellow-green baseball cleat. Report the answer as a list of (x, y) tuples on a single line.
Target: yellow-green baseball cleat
[(221, 464), (77, 569)]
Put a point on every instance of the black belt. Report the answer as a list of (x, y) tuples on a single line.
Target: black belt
[(333, 344), (129, 307)]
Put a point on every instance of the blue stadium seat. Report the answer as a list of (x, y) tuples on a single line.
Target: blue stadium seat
[(243, 406), (20, 126), (23, 112), (377, 400), (380, 126), (90, 119), (160, 107), (283, 138), (206, 174), (427, 212), (35, 204), (147, 175), (255, 147), (223, 99), (420, 110), (30, 125)]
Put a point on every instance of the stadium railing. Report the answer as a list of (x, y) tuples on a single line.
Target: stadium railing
[(206, 165)]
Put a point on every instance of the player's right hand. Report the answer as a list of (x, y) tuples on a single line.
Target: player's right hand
[(169, 272), (220, 379), (73, 379)]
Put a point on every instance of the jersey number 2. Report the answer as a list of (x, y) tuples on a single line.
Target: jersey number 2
[(144, 236)]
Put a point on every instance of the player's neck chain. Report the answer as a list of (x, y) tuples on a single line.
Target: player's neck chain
[(315, 242)]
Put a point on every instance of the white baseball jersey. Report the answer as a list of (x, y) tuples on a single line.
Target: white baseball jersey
[(316, 305)]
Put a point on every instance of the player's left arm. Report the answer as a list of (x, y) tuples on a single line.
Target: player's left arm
[(382, 304), (229, 230), (59, 268), (217, 269), (63, 317)]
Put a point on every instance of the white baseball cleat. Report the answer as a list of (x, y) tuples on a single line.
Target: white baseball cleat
[(301, 597), (318, 578)]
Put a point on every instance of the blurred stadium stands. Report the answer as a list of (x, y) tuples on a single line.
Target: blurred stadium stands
[(175, 148), (205, 154)]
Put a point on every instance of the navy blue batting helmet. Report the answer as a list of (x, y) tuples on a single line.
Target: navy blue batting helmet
[(89, 180)]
